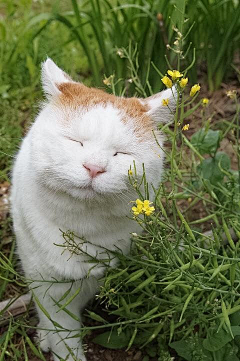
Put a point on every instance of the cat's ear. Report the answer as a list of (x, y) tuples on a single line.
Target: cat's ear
[(52, 75), (162, 105)]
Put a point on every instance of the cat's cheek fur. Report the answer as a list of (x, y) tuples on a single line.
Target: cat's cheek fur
[(53, 192)]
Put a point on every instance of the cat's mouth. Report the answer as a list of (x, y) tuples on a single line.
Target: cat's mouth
[(88, 187)]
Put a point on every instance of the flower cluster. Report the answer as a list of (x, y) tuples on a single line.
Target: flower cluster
[(174, 74), (173, 77), (143, 207)]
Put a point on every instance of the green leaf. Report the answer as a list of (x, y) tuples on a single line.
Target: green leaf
[(235, 330), (96, 317), (182, 349), (212, 168), (192, 349), (206, 142), (3, 31), (235, 319), (216, 340), (112, 340), (31, 66), (231, 353), (227, 353)]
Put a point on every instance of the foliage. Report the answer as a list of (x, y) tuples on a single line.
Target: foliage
[(151, 25), (179, 287)]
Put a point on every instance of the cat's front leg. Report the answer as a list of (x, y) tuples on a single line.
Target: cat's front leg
[(59, 326)]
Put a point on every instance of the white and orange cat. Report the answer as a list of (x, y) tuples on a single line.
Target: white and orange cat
[(71, 173)]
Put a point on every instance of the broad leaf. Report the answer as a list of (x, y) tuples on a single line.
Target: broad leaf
[(227, 353), (192, 349), (235, 319), (216, 340), (212, 168), (206, 142)]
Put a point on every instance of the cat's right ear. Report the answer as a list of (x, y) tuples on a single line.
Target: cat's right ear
[(52, 75)]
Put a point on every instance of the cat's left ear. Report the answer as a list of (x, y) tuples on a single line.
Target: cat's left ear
[(52, 75), (162, 105)]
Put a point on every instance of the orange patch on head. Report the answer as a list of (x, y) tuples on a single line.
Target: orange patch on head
[(76, 95)]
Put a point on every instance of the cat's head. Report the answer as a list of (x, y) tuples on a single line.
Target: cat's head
[(85, 140)]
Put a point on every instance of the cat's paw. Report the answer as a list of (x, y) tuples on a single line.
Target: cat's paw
[(41, 339)]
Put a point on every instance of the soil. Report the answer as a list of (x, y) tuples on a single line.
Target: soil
[(221, 107)]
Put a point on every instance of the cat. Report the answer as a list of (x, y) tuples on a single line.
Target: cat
[(71, 173)]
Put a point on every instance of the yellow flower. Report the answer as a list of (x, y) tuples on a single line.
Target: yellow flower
[(136, 211), (205, 101), (174, 74), (167, 81), (149, 211), (183, 82), (185, 127), (143, 208), (146, 204), (194, 89), (165, 102), (130, 172)]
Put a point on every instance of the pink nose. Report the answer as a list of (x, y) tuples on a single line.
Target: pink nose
[(94, 170)]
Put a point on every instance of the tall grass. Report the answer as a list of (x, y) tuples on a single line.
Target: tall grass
[(214, 34)]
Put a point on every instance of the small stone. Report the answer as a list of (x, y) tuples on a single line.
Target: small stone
[(137, 356), (108, 356)]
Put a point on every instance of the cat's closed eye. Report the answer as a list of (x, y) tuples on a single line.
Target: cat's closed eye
[(74, 140), (120, 153)]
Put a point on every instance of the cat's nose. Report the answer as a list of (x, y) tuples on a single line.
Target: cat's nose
[(94, 170)]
